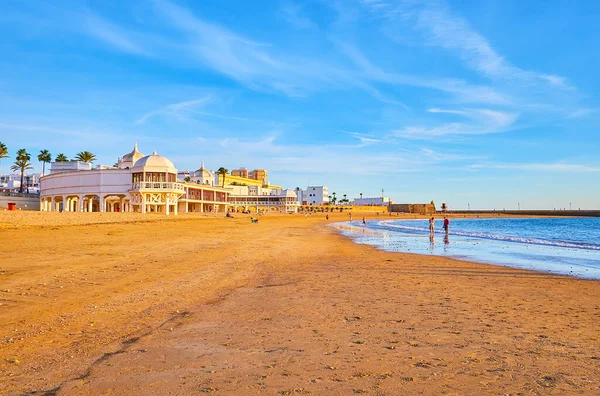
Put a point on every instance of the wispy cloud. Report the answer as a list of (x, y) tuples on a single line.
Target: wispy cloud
[(446, 29), (481, 121), (542, 167), (292, 13), (178, 110), (111, 34)]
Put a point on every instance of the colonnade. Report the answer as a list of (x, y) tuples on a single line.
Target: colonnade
[(86, 203)]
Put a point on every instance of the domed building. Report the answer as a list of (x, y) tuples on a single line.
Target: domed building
[(138, 183), (129, 159)]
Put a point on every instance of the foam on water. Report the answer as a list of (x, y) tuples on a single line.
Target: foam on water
[(561, 245)]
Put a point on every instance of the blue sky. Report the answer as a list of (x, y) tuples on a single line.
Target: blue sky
[(487, 103)]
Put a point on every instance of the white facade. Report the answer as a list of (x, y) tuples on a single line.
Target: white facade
[(263, 199), (12, 181), (314, 195), (138, 184), (376, 201)]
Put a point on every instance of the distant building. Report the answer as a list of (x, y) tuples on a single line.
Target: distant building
[(314, 195), (262, 199), (256, 174), (377, 201), (12, 181)]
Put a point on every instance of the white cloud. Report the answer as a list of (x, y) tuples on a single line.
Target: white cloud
[(113, 35), (178, 110), (447, 30), (542, 167), (482, 121)]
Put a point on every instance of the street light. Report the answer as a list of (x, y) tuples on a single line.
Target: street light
[(469, 205), (519, 206)]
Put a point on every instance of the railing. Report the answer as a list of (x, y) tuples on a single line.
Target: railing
[(18, 194), (158, 186)]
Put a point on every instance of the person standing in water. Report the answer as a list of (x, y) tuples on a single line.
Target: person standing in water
[(431, 227), (364, 222), (446, 225)]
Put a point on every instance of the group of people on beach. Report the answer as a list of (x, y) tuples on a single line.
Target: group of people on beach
[(432, 226)]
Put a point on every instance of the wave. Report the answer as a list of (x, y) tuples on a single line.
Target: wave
[(536, 241)]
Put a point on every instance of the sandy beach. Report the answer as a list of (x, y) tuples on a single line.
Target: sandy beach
[(119, 303)]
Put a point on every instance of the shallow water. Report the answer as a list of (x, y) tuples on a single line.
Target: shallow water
[(568, 246)]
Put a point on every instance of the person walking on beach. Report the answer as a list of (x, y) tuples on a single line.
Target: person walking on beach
[(431, 227), (350, 214), (446, 225), (364, 222)]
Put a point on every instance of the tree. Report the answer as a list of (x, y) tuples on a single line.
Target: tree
[(187, 179), (3, 151), (85, 156), (223, 172), (61, 158), (22, 164), (334, 198), (360, 195), (44, 156)]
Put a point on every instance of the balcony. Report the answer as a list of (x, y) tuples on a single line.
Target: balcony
[(158, 186)]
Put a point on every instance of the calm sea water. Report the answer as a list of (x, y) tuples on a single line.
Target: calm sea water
[(569, 246)]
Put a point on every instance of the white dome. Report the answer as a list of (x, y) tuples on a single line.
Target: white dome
[(133, 156), (154, 161)]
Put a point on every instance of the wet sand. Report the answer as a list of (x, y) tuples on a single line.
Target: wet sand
[(134, 304)]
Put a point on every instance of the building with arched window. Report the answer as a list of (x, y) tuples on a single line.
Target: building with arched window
[(138, 183)]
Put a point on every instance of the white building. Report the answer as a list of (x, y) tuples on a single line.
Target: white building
[(265, 199), (12, 181), (314, 195), (138, 184), (376, 201)]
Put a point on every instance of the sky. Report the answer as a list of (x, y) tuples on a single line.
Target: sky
[(480, 104)]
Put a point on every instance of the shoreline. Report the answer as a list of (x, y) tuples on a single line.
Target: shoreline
[(223, 305), (367, 236)]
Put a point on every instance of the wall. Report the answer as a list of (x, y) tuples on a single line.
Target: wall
[(413, 208), (23, 203)]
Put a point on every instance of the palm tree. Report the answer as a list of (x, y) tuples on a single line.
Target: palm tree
[(360, 195), (85, 156), (22, 164), (330, 197), (334, 198), (223, 172), (44, 156), (61, 158), (3, 151), (345, 200)]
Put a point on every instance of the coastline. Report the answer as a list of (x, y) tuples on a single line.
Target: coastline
[(504, 250), (284, 305)]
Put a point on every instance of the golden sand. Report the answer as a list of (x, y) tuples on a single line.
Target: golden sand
[(138, 304)]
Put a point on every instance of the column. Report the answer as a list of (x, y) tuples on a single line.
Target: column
[(121, 203), (65, 203), (176, 209), (167, 203), (80, 203), (42, 203), (102, 206), (202, 206), (91, 204), (52, 204), (143, 204)]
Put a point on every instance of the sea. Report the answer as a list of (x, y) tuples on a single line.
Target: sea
[(566, 246)]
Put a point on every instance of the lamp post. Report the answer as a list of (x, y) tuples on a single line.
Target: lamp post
[(570, 208), (469, 206), (519, 206)]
